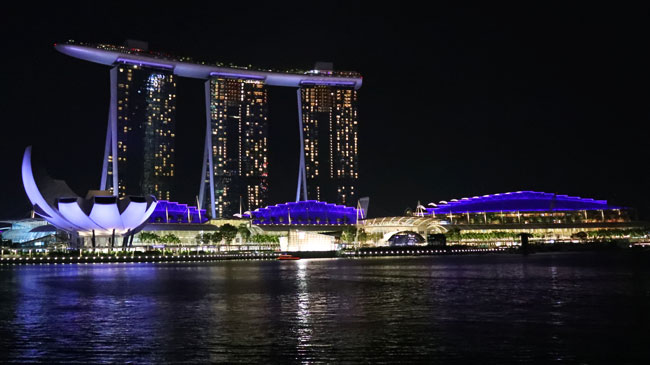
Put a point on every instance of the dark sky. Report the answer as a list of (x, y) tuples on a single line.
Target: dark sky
[(455, 101)]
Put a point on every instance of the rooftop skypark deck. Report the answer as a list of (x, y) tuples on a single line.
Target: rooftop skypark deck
[(187, 67)]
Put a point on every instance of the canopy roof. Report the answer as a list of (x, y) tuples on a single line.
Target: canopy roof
[(521, 201), (308, 212)]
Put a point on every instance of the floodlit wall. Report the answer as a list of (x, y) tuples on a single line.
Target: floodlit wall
[(307, 241)]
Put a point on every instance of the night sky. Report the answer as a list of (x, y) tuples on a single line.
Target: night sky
[(455, 102)]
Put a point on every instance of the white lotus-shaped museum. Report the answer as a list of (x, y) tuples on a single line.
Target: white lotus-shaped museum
[(97, 214)]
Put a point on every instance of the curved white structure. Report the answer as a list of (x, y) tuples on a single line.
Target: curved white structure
[(204, 71), (98, 215)]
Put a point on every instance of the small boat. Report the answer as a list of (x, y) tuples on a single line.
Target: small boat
[(288, 257)]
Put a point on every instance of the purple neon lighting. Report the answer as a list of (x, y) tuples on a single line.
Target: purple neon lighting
[(327, 82), (521, 201), (203, 71), (172, 212), (144, 63), (236, 75), (308, 212)]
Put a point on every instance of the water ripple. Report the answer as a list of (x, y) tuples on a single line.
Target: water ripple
[(572, 308)]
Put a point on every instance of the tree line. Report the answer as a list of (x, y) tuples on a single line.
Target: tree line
[(226, 233)]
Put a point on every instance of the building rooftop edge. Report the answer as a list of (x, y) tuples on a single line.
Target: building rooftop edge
[(516, 195), (191, 69)]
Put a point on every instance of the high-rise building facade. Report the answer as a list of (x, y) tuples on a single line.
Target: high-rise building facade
[(238, 145), (330, 142), (145, 124), (139, 151)]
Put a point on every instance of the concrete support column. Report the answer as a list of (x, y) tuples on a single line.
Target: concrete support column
[(208, 163), (302, 174), (110, 147), (113, 121)]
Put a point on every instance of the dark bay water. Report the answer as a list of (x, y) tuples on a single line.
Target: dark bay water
[(569, 308)]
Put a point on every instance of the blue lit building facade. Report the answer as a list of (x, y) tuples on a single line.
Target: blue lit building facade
[(526, 207), (310, 212), (501, 219), (172, 212)]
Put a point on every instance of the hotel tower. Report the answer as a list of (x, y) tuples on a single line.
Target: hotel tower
[(330, 142), (143, 128), (236, 144), (139, 151)]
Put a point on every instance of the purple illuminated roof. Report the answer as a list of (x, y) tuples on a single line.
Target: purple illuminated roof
[(309, 212), (523, 201), (110, 55), (172, 212)]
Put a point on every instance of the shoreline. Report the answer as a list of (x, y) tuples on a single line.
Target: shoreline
[(360, 254), (394, 252)]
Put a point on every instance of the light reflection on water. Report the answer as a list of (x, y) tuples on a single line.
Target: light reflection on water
[(501, 308), (304, 330)]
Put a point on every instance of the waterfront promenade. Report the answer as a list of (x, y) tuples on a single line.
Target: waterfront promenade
[(154, 258)]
